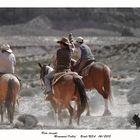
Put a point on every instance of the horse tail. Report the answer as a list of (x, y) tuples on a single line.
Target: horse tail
[(9, 99), (9, 93), (82, 93), (107, 83)]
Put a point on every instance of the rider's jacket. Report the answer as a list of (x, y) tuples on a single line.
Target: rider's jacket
[(86, 52), (63, 59), (7, 62)]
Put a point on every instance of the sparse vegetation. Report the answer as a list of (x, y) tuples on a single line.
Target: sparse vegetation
[(36, 42), (127, 32), (57, 21), (27, 92)]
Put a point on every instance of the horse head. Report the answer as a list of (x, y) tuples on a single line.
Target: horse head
[(136, 117), (45, 70)]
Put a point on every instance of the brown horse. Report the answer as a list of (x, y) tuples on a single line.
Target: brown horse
[(9, 88), (98, 76), (67, 88)]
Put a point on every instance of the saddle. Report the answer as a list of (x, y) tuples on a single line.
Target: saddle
[(59, 75), (12, 74), (86, 69)]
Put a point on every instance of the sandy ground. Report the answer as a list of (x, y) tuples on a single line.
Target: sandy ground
[(124, 62), (42, 110)]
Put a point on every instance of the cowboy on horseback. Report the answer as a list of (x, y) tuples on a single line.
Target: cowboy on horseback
[(7, 59), (85, 54), (9, 82), (62, 62)]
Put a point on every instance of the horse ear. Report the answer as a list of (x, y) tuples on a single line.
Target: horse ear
[(40, 65), (49, 64)]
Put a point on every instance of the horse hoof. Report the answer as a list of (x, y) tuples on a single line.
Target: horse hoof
[(71, 126), (107, 113)]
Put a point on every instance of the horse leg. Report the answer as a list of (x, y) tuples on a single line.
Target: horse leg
[(106, 108), (58, 112), (71, 113), (87, 107), (79, 112), (107, 90), (53, 103), (88, 111), (1, 111), (55, 107), (59, 117), (10, 111), (56, 117)]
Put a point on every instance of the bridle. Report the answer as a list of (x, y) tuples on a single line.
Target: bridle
[(45, 69)]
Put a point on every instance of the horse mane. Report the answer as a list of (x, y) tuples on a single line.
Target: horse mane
[(49, 68)]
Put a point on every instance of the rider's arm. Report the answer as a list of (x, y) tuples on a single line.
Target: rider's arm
[(79, 52), (12, 58), (72, 46), (54, 62)]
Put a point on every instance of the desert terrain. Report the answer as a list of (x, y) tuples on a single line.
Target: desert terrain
[(32, 44), (121, 54)]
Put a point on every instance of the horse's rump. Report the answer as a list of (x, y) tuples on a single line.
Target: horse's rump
[(64, 84), (8, 84), (96, 71), (70, 88), (9, 88), (99, 78)]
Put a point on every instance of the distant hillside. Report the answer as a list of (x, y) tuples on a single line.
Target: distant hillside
[(50, 21)]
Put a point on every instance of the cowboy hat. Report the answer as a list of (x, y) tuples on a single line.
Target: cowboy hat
[(80, 39), (64, 40), (6, 47)]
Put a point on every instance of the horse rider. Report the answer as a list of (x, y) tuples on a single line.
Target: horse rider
[(85, 55), (7, 59), (62, 62)]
